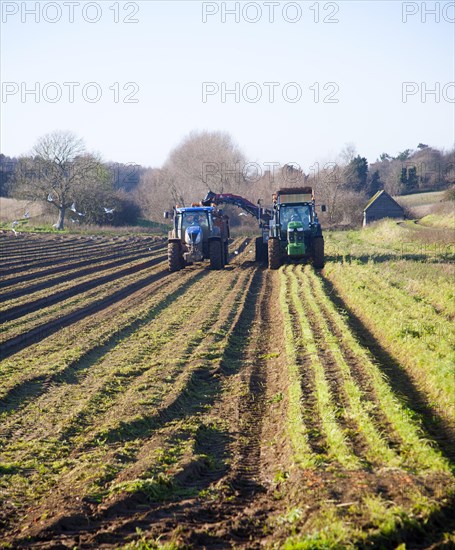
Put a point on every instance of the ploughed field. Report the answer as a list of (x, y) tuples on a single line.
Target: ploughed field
[(238, 408)]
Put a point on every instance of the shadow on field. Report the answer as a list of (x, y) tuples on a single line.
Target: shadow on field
[(211, 457), (432, 422), (241, 247), (419, 535), (381, 258), (33, 388)]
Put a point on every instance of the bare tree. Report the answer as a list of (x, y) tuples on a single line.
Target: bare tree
[(329, 186), (348, 153), (204, 161), (154, 193), (56, 171)]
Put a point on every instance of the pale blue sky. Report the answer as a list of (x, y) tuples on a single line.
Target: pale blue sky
[(170, 53)]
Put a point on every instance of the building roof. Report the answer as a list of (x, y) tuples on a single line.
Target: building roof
[(376, 196)]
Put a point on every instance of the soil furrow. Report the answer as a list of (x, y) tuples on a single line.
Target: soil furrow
[(42, 273), (225, 521), (34, 305), (61, 252), (16, 342), (74, 254), (79, 273), (9, 347), (113, 405), (192, 518), (189, 399), (74, 372), (252, 406)]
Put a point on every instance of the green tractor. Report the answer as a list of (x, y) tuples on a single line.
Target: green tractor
[(295, 233)]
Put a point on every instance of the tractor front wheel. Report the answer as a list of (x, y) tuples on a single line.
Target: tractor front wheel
[(216, 255), (173, 256), (274, 253), (318, 252)]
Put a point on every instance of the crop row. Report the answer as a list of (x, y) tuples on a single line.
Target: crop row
[(420, 338), (345, 416), (351, 399)]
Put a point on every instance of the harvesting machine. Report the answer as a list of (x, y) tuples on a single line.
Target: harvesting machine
[(290, 230)]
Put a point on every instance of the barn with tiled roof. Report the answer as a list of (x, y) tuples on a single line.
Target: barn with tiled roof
[(381, 205)]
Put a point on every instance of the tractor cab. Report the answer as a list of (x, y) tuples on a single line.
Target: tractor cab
[(193, 218), (288, 213)]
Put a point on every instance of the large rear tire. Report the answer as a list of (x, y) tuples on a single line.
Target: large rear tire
[(216, 255), (173, 256), (318, 252), (274, 253), (259, 249)]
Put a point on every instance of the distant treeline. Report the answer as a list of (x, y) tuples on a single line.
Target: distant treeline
[(212, 160), (122, 176)]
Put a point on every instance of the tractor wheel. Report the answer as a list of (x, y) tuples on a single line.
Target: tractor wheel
[(318, 252), (173, 256), (259, 248), (274, 253), (265, 252), (216, 255)]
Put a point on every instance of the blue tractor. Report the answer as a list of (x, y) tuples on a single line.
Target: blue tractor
[(199, 233)]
